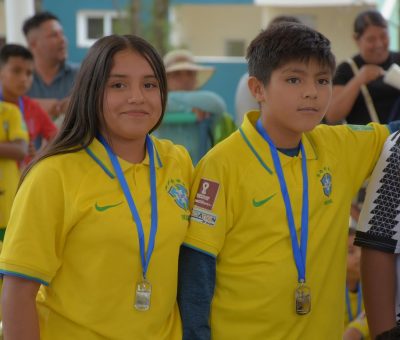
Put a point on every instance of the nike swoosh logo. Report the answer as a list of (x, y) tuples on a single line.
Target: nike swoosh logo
[(106, 207), (262, 202)]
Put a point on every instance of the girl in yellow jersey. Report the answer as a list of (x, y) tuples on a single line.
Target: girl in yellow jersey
[(100, 215)]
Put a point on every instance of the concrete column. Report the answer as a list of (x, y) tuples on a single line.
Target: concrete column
[(16, 11)]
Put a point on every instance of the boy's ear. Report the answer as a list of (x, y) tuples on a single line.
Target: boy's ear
[(256, 88)]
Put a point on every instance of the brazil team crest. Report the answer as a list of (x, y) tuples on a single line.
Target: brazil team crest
[(326, 182), (178, 192)]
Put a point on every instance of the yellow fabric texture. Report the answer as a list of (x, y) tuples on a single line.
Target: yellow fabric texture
[(71, 227), (244, 225), (12, 128)]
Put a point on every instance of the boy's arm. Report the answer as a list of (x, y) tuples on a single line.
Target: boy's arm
[(16, 150), (195, 291), (20, 320), (379, 286)]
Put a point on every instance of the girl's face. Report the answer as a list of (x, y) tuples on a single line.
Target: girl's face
[(132, 99), (374, 45)]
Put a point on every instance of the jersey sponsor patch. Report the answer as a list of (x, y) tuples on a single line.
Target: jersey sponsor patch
[(206, 194), (203, 217)]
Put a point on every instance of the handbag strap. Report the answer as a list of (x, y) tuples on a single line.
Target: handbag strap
[(367, 97)]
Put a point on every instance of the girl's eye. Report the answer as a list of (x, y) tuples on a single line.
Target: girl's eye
[(293, 80), (118, 85), (150, 85)]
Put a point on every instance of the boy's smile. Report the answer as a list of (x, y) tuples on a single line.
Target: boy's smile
[(294, 101)]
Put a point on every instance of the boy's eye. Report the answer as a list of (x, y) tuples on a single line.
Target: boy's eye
[(324, 81), (293, 80)]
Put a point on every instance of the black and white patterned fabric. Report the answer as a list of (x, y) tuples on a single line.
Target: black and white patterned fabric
[(379, 223)]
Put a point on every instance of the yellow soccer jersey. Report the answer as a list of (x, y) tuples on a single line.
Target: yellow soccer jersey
[(71, 229), (239, 217), (12, 128)]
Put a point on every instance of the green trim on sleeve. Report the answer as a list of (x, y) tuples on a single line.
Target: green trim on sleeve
[(23, 276)]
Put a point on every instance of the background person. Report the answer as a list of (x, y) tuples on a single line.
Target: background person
[(348, 101), (16, 69), (53, 75), (378, 233), (100, 215), (356, 327), (202, 118), (13, 149)]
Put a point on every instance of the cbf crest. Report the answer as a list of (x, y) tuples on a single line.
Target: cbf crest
[(178, 192), (325, 179)]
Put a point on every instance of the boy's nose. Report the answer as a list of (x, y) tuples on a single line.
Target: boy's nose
[(310, 92)]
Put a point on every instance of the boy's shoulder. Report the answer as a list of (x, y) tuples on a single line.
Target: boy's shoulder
[(9, 109)]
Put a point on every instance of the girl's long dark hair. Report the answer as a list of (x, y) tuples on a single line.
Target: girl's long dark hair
[(84, 115)]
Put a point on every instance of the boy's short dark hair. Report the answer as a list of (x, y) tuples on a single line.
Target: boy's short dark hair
[(285, 42), (14, 50), (36, 20)]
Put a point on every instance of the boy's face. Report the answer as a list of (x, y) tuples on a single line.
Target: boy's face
[(294, 101), (16, 76)]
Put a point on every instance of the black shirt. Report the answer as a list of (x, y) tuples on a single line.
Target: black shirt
[(383, 96)]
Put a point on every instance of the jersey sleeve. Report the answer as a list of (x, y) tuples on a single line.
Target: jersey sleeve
[(208, 201), (16, 125), (362, 145), (379, 223), (36, 231)]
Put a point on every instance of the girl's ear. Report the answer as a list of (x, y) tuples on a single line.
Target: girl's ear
[(257, 88)]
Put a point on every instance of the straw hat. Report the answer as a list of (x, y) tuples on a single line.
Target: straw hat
[(183, 60)]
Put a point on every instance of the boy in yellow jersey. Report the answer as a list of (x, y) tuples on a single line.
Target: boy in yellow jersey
[(13, 148), (265, 254)]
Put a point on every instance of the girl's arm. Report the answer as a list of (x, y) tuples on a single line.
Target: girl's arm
[(18, 302), (15, 150)]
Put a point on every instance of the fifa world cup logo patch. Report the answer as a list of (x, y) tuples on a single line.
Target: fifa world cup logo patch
[(179, 193), (325, 178)]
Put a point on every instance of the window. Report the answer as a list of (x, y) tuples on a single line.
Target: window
[(235, 48), (92, 25)]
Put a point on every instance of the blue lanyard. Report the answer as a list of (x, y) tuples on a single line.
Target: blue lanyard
[(20, 104), (144, 256), (348, 302), (299, 252)]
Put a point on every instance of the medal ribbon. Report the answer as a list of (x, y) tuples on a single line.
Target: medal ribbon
[(299, 252), (144, 256), (348, 302)]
